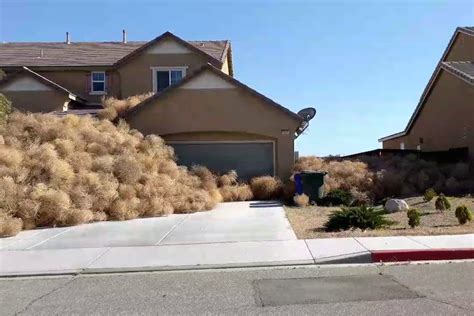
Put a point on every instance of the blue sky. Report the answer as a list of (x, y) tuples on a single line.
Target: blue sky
[(361, 64)]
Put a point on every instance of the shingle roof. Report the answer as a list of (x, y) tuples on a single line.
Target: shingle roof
[(462, 69), (37, 54)]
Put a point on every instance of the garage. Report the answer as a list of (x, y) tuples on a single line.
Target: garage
[(249, 159)]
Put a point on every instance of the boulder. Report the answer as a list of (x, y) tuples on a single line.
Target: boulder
[(396, 205)]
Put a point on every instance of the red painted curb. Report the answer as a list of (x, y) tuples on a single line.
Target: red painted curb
[(422, 254)]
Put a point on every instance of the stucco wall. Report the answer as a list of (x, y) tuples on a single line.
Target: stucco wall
[(78, 81), (462, 49), (136, 75), (219, 114), (446, 120), (36, 101)]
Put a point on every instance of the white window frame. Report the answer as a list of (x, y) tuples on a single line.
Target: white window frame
[(92, 83), (154, 70), (402, 145)]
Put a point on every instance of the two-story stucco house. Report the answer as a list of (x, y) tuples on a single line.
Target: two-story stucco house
[(444, 117), (199, 108)]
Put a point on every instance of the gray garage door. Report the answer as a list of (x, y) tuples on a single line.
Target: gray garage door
[(248, 159)]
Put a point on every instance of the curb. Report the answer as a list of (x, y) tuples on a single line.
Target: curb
[(422, 255)]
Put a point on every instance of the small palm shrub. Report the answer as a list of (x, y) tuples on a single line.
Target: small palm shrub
[(337, 197), (413, 218), (463, 214), (442, 203), (357, 217), (301, 200), (429, 194)]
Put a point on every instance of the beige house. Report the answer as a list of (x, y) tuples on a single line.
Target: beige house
[(444, 117), (199, 108)]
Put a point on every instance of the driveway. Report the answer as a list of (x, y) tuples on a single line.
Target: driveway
[(228, 222)]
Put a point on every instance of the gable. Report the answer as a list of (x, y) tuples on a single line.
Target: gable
[(168, 46), (208, 80), (25, 84)]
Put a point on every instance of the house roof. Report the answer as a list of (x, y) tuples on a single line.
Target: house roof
[(456, 68), (76, 54), (462, 69), (232, 80), (46, 81), (216, 50)]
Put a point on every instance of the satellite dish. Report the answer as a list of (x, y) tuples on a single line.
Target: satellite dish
[(307, 114)]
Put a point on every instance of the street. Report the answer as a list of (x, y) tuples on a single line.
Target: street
[(423, 289)]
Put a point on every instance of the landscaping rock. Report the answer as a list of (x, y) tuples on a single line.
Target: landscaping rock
[(396, 205)]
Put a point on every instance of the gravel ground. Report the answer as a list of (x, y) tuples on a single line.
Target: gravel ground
[(308, 222)]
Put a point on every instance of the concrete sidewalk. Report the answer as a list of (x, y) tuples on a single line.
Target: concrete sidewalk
[(220, 254)]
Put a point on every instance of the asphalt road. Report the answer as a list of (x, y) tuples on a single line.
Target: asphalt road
[(422, 289)]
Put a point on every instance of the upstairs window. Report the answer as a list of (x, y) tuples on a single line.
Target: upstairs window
[(98, 82), (163, 77)]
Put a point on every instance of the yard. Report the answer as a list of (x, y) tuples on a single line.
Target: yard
[(308, 222)]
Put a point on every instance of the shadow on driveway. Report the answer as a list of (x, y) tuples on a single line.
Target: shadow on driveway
[(260, 204)]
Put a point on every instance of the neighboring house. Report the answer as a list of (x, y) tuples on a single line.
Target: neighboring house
[(444, 117), (209, 117)]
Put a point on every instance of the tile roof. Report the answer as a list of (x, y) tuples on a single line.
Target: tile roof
[(38, 54), (462, 69)]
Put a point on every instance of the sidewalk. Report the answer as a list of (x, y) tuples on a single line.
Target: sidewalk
[(235, 254)]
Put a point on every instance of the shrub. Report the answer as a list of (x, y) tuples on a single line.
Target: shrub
[(301, 200), (357, 217), (442, 203), (463, 214), (337, 197), (413, 218), (5, 106), (429, 194), (266, 188)]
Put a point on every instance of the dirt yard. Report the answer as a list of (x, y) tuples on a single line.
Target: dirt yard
[(308, 222)]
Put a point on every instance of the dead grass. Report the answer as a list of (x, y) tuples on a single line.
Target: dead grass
[(60, 171), (266, 188), (113, 107), (375, 178), (308, 222), (301, 200)]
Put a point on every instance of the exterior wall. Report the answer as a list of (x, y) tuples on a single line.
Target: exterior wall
[(219, 114), (136, 75), (446, 120), (29, 94), (37, 101), (462, 49), (78, 81)]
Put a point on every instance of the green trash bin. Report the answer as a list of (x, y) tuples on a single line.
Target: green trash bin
[(313, 184)]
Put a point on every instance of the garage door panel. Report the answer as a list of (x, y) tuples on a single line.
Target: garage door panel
[(248, 159)]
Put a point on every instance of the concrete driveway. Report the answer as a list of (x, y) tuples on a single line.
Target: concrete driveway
[(228, 222)]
